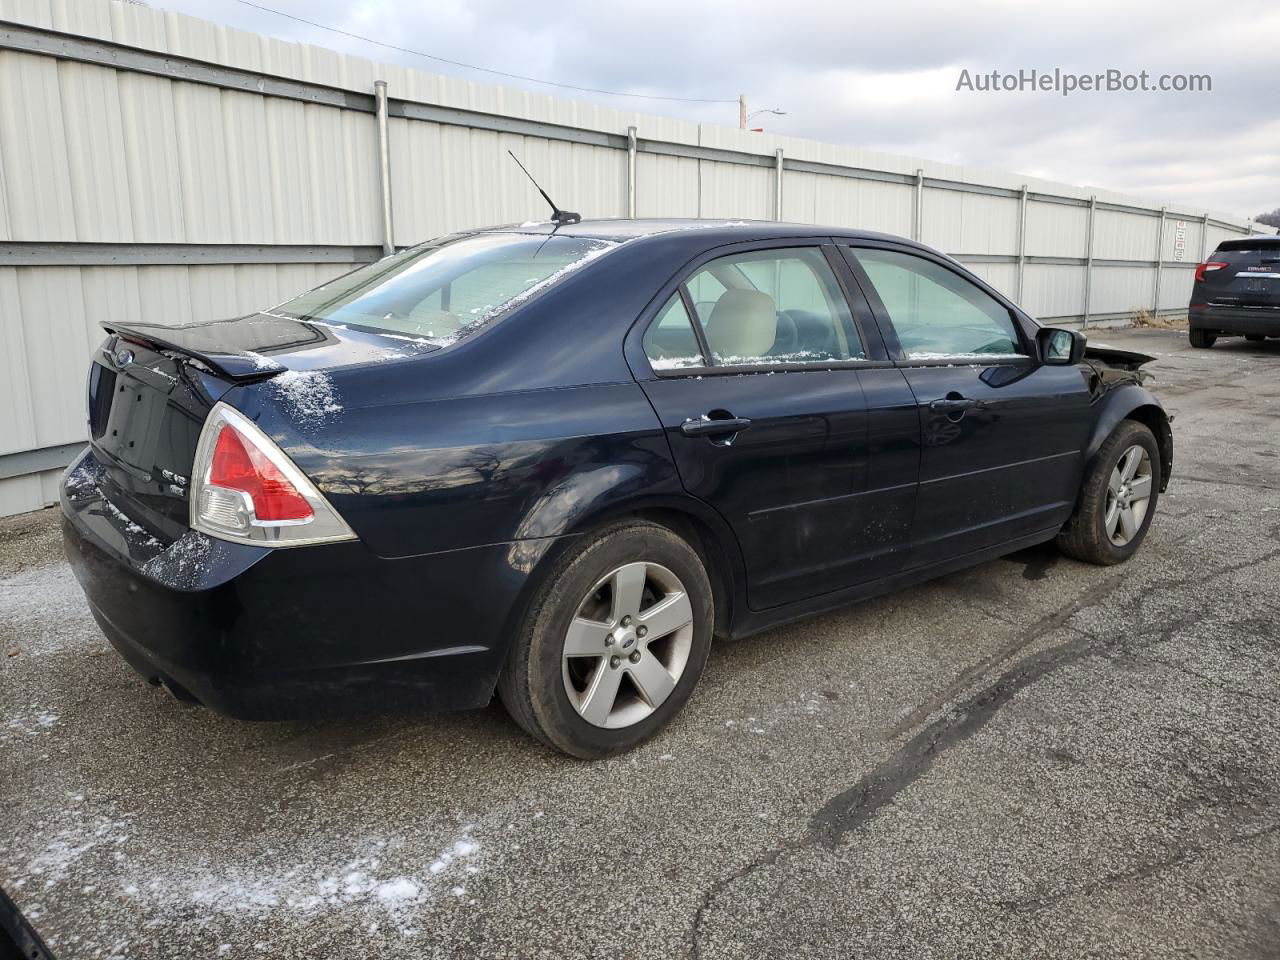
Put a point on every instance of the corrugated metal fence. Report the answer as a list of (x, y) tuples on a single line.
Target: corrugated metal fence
[(158, 167)]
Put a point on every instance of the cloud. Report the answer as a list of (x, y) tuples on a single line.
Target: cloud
[(882, 76)]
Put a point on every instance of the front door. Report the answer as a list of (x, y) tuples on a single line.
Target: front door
[(755, 362), (1002, 435)]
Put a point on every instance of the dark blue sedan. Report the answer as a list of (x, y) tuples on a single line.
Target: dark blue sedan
[(553, 462)]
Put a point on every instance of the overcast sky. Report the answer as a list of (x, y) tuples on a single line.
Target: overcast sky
[(881, 75)]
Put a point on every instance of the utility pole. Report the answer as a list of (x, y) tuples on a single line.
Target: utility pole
[(742, 111)]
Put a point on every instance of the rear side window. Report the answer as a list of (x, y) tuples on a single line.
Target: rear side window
[(441, 292), (670, 342), (772, 307), (937, 313)]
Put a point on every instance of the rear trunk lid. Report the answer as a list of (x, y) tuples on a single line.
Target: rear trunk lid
[(147, 404), (1250, 277), (152, 387)]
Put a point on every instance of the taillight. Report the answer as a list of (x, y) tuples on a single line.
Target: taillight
[(245, 489), (1203, 268), (238, 465)]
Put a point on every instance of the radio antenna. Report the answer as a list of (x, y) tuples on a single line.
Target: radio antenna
[(559, 217)]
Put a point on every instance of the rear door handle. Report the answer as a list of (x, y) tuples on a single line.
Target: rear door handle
[(953, 405), (706, 427)]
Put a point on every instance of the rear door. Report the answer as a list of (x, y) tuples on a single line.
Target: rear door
[(1002, 435), (755, 365)]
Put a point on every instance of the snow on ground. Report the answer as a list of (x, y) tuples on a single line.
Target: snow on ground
[(807, 705), (30, 722), (375, 877), (42, 611)]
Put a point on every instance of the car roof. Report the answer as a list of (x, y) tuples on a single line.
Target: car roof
[(726, 230), (1254, 240)]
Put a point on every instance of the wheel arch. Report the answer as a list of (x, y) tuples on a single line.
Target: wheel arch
[(717, 556), (1134, 402), (694, 521)]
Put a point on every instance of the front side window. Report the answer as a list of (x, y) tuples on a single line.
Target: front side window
[(774, 307), (937, 313), (441, 292)]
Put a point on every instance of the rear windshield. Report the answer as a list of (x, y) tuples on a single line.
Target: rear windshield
[(440, 292), (1250, 248)]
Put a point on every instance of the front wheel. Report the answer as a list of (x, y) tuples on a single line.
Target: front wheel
[(614, 642), (1117, 500), (1202, 339)]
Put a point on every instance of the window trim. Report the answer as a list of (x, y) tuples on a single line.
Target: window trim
[(889, 332), (699, 334), (859, 312)]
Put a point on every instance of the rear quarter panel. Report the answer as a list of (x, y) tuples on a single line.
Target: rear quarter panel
[(433, 475)]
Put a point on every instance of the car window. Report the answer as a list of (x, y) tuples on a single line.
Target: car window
[(442, 291), (670, 342), (937, 313), (704, 290), (774, 307)]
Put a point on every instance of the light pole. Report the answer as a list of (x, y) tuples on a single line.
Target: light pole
[(755, 113)]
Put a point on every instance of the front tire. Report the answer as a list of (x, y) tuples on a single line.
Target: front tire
[(1117, 500), (1202, 339), (614, 642)]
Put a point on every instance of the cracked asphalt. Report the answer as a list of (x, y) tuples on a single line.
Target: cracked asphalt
[(1032, 758)]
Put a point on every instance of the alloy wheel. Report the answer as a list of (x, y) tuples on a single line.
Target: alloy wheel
[(628, 644), (1128, 495)]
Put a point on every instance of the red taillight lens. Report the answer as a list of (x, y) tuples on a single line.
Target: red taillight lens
[(239, 465), (1202, 268)]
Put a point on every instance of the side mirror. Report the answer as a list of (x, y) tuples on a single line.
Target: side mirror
[(1059, 346)]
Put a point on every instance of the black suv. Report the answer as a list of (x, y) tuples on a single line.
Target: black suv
[(1237, 292)]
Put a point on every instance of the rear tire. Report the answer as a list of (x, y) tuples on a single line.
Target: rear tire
[(1202, 339), (1117, 499), (625, 680)]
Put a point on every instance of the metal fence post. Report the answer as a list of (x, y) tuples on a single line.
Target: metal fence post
[(1088, 263), (1204, 238), (1155, 306), (777, 184), (1022, 241), (384, 167), (631, 172), (917, 220)]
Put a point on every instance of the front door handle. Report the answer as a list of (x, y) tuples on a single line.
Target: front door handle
[(706, 427)]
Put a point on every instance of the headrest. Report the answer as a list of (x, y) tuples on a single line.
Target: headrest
[(743, 323)]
